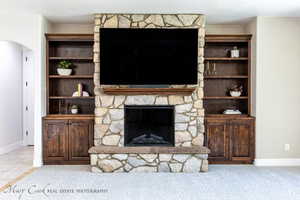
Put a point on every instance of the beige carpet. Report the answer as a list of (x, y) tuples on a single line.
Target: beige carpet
[(220, 183)]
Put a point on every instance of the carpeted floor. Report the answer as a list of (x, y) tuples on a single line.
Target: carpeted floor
[(221, 182)]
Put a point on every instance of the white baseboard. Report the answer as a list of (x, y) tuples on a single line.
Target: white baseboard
[(277, 162), (11, 147)]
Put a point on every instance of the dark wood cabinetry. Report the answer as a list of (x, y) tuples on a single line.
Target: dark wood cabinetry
[(67, 141), (230, 140), (67, 137)]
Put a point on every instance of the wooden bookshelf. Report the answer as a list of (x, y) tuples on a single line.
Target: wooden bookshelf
[(230, 137), (77, 49)]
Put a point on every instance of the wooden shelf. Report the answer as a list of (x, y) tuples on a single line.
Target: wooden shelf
[(70, 116), (71, 58), (67, 97), (227, 115), (226, 77), (225, 59), (149, 91), (243, 97), (71, 77)]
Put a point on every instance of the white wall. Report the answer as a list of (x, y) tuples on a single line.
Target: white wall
[(28, 30), (11, 96), (225, 29), (71, 28), (278, 87)]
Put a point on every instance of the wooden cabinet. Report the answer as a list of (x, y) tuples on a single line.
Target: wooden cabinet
[(67, 141), (230, 140)]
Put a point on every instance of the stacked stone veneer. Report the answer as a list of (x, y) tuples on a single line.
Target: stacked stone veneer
[(109, 111), (149, 162)]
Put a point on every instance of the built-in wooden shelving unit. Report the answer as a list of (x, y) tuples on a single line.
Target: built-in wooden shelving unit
[(77, 48)]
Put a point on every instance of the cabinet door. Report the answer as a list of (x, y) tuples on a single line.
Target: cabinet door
[(55, 140), (80, 139), (242, 140), (217, 134)]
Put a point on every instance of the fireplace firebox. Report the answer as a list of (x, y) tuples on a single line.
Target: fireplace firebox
[(149, 125)]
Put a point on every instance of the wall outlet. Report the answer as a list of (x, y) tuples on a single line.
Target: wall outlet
[(287, 147)]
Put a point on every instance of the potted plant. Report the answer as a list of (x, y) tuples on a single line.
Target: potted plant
[(236, 91), (74, 109), (64, 68)]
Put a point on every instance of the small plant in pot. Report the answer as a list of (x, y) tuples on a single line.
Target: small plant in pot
[(64, 68), (74, 109), (236, 91)]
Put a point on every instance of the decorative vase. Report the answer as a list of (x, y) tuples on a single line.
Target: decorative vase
[(235, 93), (64, 72), (74, 111), (235, 53)]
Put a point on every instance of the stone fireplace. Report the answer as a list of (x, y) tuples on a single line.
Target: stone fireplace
[(172, 125)]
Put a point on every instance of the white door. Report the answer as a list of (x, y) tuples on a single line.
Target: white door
[(28, 98)]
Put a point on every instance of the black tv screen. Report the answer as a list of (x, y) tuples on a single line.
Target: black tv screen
[(148, 56)]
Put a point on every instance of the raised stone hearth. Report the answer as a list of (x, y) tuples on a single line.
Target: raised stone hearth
[(149, 159), (109, 111)]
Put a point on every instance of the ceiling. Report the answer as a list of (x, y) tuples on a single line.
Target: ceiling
[(217, 11)]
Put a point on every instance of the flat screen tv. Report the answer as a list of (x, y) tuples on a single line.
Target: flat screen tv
[(148, 56)]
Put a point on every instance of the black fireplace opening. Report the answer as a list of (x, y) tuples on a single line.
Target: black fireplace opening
[(149, 126)]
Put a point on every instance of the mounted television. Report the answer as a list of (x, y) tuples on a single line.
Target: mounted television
[(148, 56)]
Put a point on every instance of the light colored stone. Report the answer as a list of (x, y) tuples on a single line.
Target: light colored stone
[(155, 19), (200, 93), (111, 140), (100, 130), (109, 165), (117, 126), (98, 120), (142, 24), (127, 167), (200, 112), (106, 100), (182, 136), (148, 157), (134, 161), (116, 114), (119, 100), (187, 20), (183, 108), (137, 18), (192, 165), (179, 118), (188, 99), (201, 21), (96, 169), (107, 119), (111, 23), (163, 167), (201, 156), (186, 144), (150, 26), (193, 130), (175, 100), (181, 157), (100, 111), (181, 126), (161, 101), (204, 167), (172, 20), (102, 156), (124, 22), (175, 167), (145, 169), (198, 104), (165, 157), (97, 21), (192, 122), (140, 100), (120, 156), (94, 159), (199, 140)]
